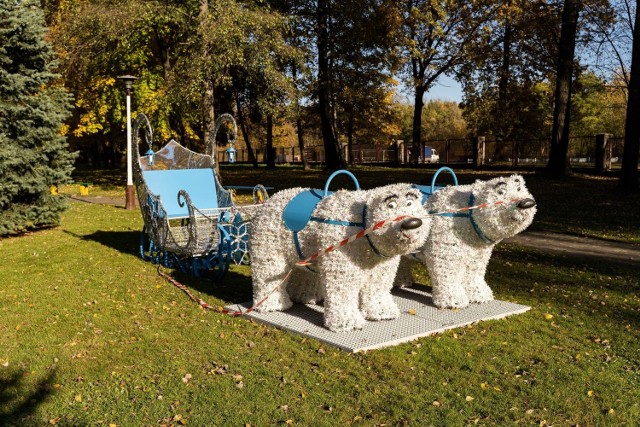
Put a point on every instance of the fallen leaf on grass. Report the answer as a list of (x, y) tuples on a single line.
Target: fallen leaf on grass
[(469, 398), (177, 417), (590, 393), (548, 316)]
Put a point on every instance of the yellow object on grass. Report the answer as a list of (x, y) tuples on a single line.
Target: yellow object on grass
[(84, 189)]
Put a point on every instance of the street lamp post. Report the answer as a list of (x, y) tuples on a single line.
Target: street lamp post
[(130, 193)]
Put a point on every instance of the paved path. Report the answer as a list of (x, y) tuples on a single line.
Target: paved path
[(102, 200), (582, 247)]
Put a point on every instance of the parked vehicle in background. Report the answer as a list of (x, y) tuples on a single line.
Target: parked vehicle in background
[(431, 155)]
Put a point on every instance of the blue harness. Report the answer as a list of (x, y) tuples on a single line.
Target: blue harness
[(428, 190), (468, 214), (299, 211)]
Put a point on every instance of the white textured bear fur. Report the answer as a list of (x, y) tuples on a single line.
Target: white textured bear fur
[(456, 255), (354, 281)]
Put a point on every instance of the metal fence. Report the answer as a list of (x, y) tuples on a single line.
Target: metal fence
[(586, 151)]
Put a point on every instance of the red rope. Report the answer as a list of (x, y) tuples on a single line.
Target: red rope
[(207, 306)]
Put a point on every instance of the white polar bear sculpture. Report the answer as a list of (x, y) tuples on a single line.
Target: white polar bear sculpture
[(355, 280), (460, 245)]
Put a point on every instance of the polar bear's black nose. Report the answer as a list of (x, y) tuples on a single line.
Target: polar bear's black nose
[(411, 223), (526, 203)]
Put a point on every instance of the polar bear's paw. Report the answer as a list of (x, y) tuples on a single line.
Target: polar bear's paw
[(449, 300), (479, 294), (275, 302), (380, 309), (342, 322)]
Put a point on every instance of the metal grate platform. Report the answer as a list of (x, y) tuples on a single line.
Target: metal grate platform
[(307, 320)]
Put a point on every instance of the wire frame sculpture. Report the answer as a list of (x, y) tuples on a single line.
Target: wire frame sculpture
[(201, 239)]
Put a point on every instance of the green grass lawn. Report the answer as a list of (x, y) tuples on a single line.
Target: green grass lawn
[(91, 335)]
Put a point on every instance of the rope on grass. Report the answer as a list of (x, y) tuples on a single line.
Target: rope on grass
[(309, 260), (207, 306)]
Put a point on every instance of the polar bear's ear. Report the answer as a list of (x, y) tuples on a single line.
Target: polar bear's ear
[(478, 185), (517, 181), (376, 196)]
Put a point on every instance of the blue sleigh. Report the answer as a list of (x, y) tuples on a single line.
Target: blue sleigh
[(190, 220)]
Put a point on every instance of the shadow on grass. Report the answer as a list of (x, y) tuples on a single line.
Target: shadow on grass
[(126, 242), (19, 398), (234, 287)]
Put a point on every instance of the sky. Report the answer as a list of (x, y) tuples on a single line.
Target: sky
[(445, 89)]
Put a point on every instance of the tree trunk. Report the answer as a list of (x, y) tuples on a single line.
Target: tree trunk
[(349, 158), (271, 158), (332, 152), (503, 88), (303, 158), (559, 153), (418, 103), (629, 172), (299, 127), (245, 134)]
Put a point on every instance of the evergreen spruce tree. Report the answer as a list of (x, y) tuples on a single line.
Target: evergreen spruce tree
[(33, 153)]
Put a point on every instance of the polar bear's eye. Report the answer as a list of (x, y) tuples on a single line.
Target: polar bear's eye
[(501, 188), (391, 201)]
